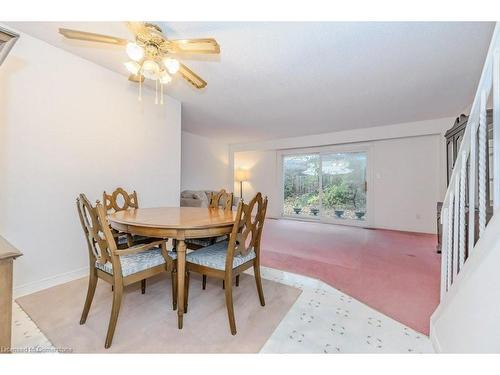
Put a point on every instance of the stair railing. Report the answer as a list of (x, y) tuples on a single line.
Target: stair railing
[(464, 214)]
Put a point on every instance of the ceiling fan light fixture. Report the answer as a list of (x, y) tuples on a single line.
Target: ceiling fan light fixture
[(150, 69), (134, 51), (132, 67), (172, 65), (165, 78)]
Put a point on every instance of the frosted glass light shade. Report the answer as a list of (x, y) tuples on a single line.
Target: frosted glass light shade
[(134, 51), (150, 69), (132, 67), (165, 77), (172, 65)]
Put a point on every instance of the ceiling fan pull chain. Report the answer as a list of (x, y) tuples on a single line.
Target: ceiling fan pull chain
[(140, 88), (156, 91)]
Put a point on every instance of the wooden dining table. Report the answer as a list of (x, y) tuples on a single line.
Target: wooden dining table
[(179, 223)]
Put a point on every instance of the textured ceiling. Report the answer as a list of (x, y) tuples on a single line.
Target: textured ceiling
[(277, 80)]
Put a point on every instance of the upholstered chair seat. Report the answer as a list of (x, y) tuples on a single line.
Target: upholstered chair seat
[(214, 256), (137, 262), (202, 242), (122, 240)]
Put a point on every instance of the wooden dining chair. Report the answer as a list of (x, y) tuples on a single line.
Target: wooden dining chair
[(118, 266), (230, 258), (120, 200), (221, 199)]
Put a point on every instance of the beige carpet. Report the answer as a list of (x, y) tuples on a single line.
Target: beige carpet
[(147, 323)]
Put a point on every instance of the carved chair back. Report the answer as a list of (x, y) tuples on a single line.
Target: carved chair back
[(112, 201), (247, 229), (221, 198), (93, 230)]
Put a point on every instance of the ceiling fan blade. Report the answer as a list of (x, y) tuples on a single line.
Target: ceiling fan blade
[(91, 37), (136, 27), (191, 77), (136, 78), (206, 45)]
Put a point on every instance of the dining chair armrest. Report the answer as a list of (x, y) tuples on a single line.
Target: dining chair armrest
[(139, 248)]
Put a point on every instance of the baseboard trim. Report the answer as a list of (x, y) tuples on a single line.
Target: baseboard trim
[(434, 340), (49, 282)]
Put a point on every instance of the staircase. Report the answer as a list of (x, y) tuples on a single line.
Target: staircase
[(468, 316)]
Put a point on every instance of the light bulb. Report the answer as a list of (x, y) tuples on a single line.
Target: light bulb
[(132, 67), (134, 51), (172, 65), (165, 77), (150, 69)]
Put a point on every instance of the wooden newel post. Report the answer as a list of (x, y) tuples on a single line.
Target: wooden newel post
[(7, 255)]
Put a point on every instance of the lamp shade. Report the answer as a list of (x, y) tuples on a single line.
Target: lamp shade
[(241, 175)]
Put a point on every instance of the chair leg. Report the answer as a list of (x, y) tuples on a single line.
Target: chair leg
[(204, 282), (117, 301), (223, 284), (258, 281), (174, 289), (237, 280), (186, 292), (90, 296), (230, 307), (143, 286)]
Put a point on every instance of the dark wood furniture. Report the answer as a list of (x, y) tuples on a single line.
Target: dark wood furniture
[(454, 138)]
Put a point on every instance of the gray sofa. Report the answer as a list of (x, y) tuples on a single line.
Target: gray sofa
[(200, 198)]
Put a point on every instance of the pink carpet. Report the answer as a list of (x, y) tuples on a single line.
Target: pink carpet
[(396, 273)]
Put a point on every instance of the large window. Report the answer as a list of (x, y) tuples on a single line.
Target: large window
[(327, 185)]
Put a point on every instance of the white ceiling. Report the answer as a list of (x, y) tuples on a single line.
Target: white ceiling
[(276, 80)]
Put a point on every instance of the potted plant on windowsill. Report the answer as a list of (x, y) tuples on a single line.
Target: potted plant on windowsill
[(359, 214), (297, 206), (313, 202)]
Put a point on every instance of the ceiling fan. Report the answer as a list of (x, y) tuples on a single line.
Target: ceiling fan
[(151, 53)]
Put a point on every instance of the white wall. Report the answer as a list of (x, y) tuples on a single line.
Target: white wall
[(264, 176), (205, 164), (407, 161), (406, 183), (69, 126)]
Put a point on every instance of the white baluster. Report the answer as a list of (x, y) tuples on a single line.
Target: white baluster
[(482, 164), (444, 252), (472, 185), (496, 129), (456, 222), (461, 247), (449, 241)]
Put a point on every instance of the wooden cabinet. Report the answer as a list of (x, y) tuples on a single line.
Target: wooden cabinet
[(7, 255)]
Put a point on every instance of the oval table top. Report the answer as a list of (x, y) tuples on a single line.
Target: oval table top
[(175, 217)]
